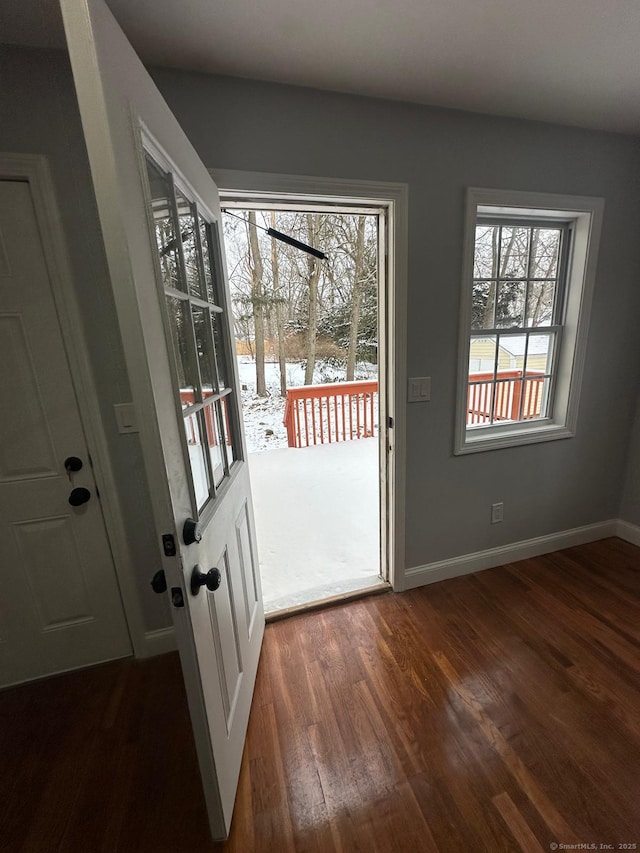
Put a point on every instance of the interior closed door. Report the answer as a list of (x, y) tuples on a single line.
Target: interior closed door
[(60, 605)]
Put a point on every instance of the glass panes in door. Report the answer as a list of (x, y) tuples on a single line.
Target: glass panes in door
[(189, 271), (164, 226)]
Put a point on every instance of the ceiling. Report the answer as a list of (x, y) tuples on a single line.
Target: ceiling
[(572, 62)]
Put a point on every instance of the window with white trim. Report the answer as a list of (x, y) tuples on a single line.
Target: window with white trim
[(529, 266)]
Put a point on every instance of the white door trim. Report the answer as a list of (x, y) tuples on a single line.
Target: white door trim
[(34, 168), (395, 197)]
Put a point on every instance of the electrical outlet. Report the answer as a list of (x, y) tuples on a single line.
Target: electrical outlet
[(497, 512)]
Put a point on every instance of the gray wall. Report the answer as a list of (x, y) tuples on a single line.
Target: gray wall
[(245, 125), (40, 116), (240, 124), (630, 504)]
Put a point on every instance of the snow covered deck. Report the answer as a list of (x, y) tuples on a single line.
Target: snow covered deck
[(317, 520)]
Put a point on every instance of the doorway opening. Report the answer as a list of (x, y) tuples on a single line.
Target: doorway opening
[(311, 343)]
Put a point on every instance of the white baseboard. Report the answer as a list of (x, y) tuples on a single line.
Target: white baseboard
[(627, 531), (163, 640), (159, 642), (492, 557)]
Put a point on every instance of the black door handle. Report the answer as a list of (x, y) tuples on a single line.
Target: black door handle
[(191, 532), (79, 496), (159, 582), (72, 463), (211, 579)]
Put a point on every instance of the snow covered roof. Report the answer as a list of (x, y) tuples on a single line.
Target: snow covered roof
[(515, 344)]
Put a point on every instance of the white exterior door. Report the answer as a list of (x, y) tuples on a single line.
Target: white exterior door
[(160, 217), (60, 605)]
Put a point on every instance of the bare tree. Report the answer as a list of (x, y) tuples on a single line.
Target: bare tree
[(356, 293), (313, 273), (254, 262), (311, 309), (275, 275), (514, 265)]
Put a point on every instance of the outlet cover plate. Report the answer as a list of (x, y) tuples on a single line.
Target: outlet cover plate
[(419, 389)]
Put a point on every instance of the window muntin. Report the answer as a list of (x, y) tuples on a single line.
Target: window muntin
[(189, 268), (516, 274), (205, 243), (164, 226), (191, 254), (519, 269)]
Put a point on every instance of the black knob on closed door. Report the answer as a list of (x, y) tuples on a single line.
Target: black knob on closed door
[(79, 496), (72, 463), (211, 579), (159, 582)]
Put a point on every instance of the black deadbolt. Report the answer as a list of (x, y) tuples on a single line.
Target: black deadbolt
[(211, 580), (159, 582), (177, 599), (72, 463), (191, 531), (79, 496)]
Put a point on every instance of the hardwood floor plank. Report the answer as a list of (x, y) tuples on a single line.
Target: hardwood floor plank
[(527, 668), (499, 711), (603, 598), (620, 649), (517, 825), (561, 715), (619, 700), (524, 778)]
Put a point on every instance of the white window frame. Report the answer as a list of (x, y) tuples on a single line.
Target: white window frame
[(585, 217)]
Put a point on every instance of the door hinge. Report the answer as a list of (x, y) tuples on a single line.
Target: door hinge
[(389, 423), (168, 545)]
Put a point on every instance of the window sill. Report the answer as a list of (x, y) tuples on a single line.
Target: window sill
[(479, 440)]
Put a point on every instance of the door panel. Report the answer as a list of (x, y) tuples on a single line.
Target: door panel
[(160, 215), (26, 449), (61, 601), (250, 571), (60, 597), (224, 628)]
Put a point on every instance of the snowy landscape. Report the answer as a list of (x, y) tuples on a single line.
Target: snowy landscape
[(320, 536), (263, 416), (316, 511), (316, 507)]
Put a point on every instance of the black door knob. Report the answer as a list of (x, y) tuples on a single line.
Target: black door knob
[(191, 531), (72, 463), (211, 579), (79, 496), (159, 582)]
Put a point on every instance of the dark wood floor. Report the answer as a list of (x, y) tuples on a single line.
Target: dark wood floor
[(495, 712)]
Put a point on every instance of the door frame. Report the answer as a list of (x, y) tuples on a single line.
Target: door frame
[(394, 197), (35, 170)]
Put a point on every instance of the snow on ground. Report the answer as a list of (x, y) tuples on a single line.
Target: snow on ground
[(263, 425), (317, 520), (316, 508)]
